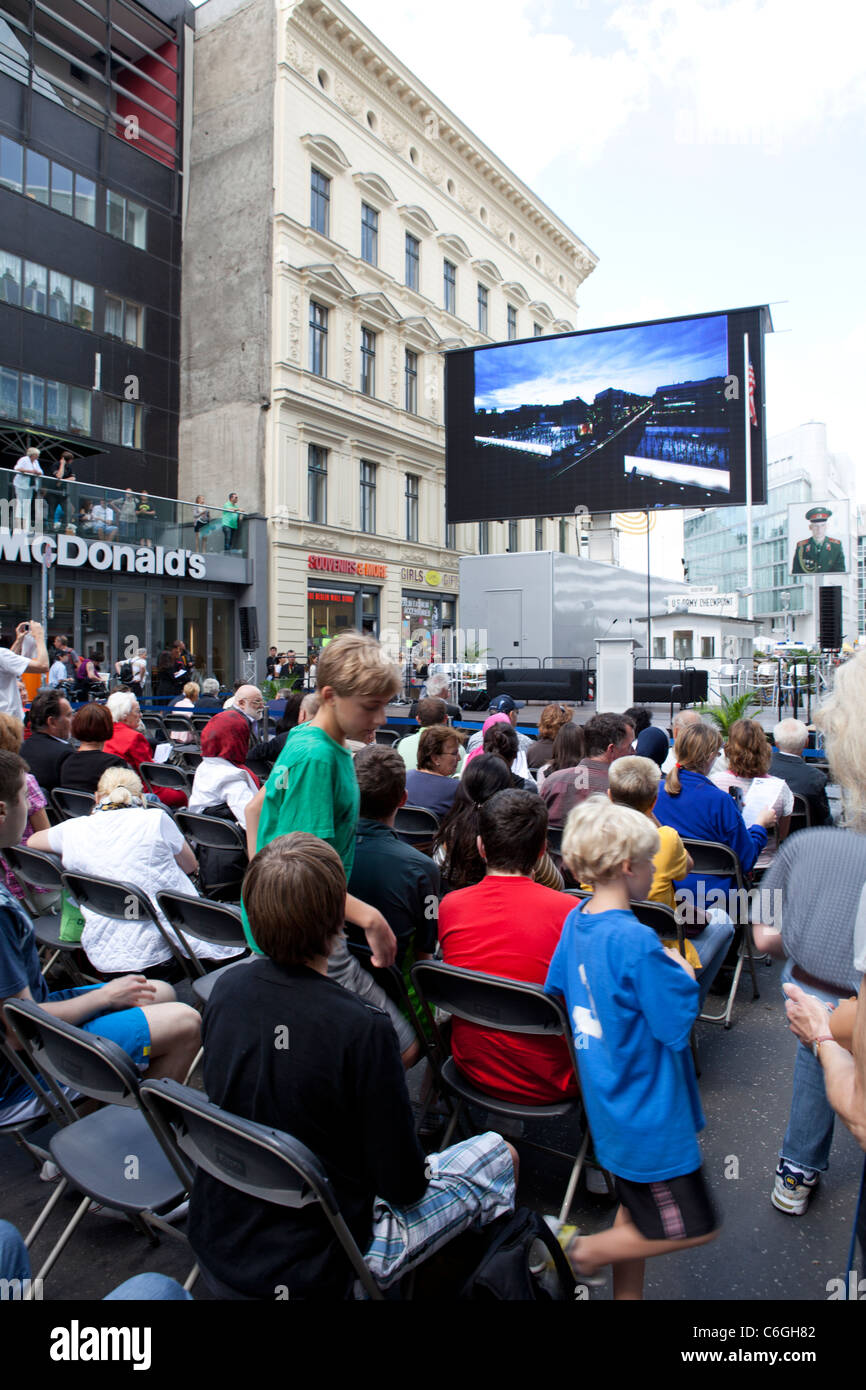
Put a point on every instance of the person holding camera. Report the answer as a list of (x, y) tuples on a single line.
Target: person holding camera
[(14, 664)]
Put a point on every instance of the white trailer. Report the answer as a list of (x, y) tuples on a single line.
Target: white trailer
[(542, 605)]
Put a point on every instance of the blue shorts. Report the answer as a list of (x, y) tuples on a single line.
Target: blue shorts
[(126, 1027)]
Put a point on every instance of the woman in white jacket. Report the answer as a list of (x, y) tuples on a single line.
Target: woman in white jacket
[(221, 775)]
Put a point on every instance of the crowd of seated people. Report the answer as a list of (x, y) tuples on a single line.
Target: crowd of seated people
[(326, 863)]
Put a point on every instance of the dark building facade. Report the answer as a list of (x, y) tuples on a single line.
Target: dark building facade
[(91, 148)]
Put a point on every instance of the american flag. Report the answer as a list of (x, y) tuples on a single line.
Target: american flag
[(752, 412)]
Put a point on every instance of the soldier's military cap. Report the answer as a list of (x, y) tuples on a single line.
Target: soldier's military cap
[(818, 514)]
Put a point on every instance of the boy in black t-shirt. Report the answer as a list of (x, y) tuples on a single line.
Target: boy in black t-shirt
[(288, 1047)]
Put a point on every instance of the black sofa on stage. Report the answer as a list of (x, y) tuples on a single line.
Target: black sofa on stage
[(539, 684), (654, 685)]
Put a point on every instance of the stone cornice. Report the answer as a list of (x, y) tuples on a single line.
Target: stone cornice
[(337, 32)]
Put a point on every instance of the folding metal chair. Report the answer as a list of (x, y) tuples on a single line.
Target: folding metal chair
[(165, 775), (211, 832), (20, 1059), (199, 721), (508, 1006), (417, 826), (191, 757), (801, 816), (218, 923), (714, 860), (388, 737), (263, 1163), (179, 724), (155, 727), (69, 803), (33, 868), (390, 978), (122, 903), (94, 1153)]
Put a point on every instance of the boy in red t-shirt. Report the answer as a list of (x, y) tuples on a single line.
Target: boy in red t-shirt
[(508, 925)]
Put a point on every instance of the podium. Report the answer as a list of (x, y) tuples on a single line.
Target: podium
[(614, 677)]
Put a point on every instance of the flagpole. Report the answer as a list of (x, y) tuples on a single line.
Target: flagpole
[(750, 574)]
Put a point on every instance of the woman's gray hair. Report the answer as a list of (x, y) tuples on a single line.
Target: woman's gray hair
[(120, 705), (438, 686), (840, 719)]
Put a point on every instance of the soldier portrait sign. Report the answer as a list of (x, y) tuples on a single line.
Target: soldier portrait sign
[(818, 537)]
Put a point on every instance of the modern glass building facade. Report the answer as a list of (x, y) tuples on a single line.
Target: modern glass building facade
[(91, 131)]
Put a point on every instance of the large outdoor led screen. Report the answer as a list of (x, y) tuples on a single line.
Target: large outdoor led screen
[(616, 419)]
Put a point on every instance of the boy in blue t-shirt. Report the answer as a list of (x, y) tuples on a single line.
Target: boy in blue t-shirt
[(632, 1003)]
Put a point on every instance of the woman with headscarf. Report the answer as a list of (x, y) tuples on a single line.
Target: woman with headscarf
[(519, 765), (222, 777)]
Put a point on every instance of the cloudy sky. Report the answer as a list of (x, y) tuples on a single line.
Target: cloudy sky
[(710, 152)]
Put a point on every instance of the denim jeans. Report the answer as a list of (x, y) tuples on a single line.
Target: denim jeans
[(712, 947), (809, 1135), (15, 1264)]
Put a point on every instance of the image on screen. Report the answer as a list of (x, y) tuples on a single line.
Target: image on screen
[(615, 419)]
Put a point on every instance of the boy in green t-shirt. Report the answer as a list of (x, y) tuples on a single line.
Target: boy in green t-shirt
[(312, 786)]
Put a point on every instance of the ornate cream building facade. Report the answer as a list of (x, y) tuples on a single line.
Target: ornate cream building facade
[(343, 230)]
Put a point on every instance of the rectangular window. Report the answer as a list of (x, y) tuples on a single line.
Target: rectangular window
[(513, 543), (60, 297), (683, 645), (450, 287), (412, 486), (130, 425), (411, 373), (133, 324), (111, 420), (708, 648), (368, 497), (660, 649), (115, 213), (85, 200), (8, 393), (56, 405), (136, 225), (512, 323), (79, 410), (318, 339), (482, 308), (317, 484), (369, 234), (11, 165), (320, 203), (37, 177), (450, 536), (32, 399), (113, 316), (10, 278), (563, 535), (537, 330), (413, 261), (61, 188), (35, 287), (539, 533), (368, 362), (82, 305), (484, 538)]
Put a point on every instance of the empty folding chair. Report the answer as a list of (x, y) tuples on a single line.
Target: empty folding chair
[(508, 1006), (263, 1163), (218, 923), (94, 1153), (165, 775), (69, 803), (155, 727), (715, 860), (417, 826), (191, 758), (179, 724), (801, 816)]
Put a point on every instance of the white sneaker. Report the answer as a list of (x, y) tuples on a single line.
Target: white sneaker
[(793, 1188)]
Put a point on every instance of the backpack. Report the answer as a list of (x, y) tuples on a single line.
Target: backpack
[(508, 1270), (126, 673)]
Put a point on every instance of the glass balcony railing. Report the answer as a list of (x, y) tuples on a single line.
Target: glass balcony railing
[(55, 506)]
